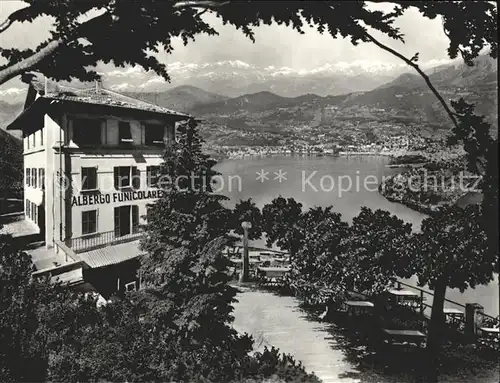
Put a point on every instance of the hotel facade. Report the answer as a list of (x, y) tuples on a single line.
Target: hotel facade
[(90, 162)]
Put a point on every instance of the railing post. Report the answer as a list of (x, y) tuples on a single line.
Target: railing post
[(472, 315), (422, 302)]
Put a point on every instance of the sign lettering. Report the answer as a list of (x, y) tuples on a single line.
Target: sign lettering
[(101, 199)]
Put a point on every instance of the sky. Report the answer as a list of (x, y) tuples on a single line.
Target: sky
[(275, 45)]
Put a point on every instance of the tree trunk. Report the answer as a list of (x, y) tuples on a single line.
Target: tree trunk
[(435, 333)]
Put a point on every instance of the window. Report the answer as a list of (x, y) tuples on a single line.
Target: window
[(127, 177), (27, 208), (87, 131), (28, 141), (89, 178), (89, 222), (41, 136), (34, 177), (28, 176), (34, 139), (41, 176), (154, 134), (126, 220), (153, 175), (125, 135)]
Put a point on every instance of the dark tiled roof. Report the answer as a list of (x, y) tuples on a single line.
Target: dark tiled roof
[(98, 97), (111, 255)]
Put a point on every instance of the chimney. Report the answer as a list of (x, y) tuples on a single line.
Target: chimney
[(98, 84)]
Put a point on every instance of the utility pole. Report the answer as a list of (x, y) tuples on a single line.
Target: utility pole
[(245, 264)]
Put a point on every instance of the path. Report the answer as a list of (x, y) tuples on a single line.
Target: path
[(277, 321)]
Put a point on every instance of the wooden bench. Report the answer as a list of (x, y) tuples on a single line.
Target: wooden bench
[(403, 336), (358, 308)]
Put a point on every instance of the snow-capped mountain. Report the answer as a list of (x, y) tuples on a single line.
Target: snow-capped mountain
[(234, 78)]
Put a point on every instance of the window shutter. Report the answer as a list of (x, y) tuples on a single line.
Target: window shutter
[(136, 178), (42, 178), (117, 221), (116, 175), (135, 218)]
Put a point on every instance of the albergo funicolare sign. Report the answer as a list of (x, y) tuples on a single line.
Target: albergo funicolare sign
[(101, 199)]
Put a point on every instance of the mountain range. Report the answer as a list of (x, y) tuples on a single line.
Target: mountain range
[(401, 98)]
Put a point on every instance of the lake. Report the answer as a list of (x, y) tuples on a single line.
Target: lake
[(346, 183)]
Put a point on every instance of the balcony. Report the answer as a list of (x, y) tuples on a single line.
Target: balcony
[(99, 240)]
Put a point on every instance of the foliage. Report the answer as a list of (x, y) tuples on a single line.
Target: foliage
[(450, 251), (11, 164), (281, 219), (188, 215), (482, 155), (374, 256), (247, 211), (452, 248), (185, 294), (316, 268), (84, 33)]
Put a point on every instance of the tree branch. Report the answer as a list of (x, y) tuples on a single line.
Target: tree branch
[(200, 3), (11, 18), (421, 73), (30, 62)]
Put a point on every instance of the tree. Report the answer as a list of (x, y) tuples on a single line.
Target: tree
[(247, 211), (185, 296), (474, 132), (317, 267), (374, 256), (84, 33), (11, 165), (188, 214), (450, 251), (281, 219)]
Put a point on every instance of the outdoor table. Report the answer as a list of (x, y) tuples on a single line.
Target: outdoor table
[(408, 336), (455, 315), (357, 308), (274, 272), (405, 297), (490, 331)]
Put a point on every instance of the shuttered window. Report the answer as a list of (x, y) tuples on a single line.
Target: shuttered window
[(89, 222), (154, 134), (125, 134), (89, 178), (41, 176), (34, 176), (135, 218), (127, 177), (86, 131)]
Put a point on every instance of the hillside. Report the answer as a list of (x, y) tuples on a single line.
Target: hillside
[(264, 117), (11, 164), (409, 96), (8, 113), (403, 104)]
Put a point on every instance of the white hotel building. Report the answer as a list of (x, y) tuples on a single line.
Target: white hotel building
[(102, 148)]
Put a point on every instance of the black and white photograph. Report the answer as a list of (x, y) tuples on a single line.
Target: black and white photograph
[(249, 191)]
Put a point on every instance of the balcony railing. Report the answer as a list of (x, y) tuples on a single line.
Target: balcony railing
[(99, 240)]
